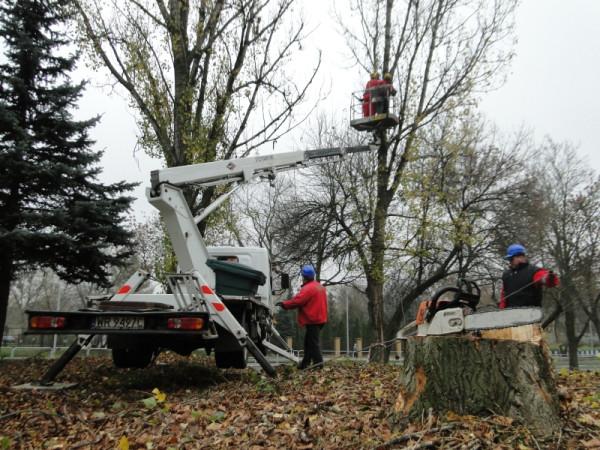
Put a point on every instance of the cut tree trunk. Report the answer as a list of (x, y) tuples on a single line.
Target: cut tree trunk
[(504, 372)]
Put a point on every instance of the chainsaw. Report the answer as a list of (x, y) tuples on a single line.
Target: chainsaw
[(439, 317)]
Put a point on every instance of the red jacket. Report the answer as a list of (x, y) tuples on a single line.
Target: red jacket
[(367, 107), (311, 302), (538, 276)]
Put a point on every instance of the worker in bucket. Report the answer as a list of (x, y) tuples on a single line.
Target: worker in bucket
[(311, 303), (522, 282), (385, 90), (369, 104)]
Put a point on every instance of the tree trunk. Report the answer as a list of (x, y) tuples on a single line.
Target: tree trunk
[(595, 319), (375, 296), (572, 341), (6, 278), (376, 270), (592, 313), (4, 294), (491, 374), (553, 316)]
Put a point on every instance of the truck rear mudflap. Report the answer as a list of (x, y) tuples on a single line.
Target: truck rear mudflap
[(121, 322)]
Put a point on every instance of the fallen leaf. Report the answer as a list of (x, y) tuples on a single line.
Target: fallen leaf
[(451, 416), (218, 416), (214, 426), (149, 402), (503, 420), (378, 393), (594, 443), (4, 443), (588, 419), (158, 395), (123, 443)]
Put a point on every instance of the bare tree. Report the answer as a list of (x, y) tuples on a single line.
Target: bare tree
[(441, 52), (207, 79), (442, 222), (289, 219), (29, 291), (450, 204), (571, 203), (153, 251), (43, 289)]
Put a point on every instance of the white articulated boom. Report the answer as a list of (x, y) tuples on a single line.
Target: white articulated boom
[(167, 196)]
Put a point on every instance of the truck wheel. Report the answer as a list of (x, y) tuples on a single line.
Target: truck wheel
[(135, 358), (235, 360)]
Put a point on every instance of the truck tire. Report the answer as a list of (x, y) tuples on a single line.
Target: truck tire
[(235, 360), (134, 358)]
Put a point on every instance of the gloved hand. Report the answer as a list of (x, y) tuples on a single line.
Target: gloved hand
[(549, 277), (280, 304), (552, 278)]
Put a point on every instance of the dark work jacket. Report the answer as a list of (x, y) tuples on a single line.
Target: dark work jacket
[(517, 278)]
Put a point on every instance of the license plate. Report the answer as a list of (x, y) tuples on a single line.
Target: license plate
[(119, 323)]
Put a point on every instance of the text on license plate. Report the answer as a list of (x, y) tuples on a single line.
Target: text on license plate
[(119, 323)]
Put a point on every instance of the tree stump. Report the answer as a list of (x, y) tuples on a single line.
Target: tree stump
[(504, 372)]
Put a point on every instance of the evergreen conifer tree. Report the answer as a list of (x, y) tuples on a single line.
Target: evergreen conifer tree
[(53, 211)]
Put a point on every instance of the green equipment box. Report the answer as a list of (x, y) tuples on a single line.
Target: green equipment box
[(236, 279)]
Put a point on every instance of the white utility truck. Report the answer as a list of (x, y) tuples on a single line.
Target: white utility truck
[(219, 300)]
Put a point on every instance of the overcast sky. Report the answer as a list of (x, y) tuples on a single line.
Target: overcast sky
[(553, 86)]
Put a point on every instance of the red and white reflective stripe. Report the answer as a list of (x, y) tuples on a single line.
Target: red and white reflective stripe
[(124, 289), (218, 306)]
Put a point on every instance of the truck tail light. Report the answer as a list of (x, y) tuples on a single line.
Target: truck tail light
[(185, 323), (47, 322)]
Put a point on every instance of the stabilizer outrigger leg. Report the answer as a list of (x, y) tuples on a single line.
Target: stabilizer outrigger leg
[(68, 355), (280, 347), (47, 380), (260, 358), (278, 340)]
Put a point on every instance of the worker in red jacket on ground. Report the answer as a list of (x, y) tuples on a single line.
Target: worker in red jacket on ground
[(311, 303), (368, 105), (522, 282)]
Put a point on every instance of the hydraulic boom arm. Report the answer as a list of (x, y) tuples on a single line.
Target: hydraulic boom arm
[(245, 169)]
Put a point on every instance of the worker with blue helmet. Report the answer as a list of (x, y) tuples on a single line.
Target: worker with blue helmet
[(308, 271), (514, 250), (522, 282), (311, 303)]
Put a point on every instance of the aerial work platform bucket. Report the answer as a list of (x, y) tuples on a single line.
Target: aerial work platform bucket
[(372, 109)]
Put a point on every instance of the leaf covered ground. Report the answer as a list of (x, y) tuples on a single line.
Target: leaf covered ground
[(186, 403)]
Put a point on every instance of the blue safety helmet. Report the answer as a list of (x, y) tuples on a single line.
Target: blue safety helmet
[(514, 250), (308, 271)]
